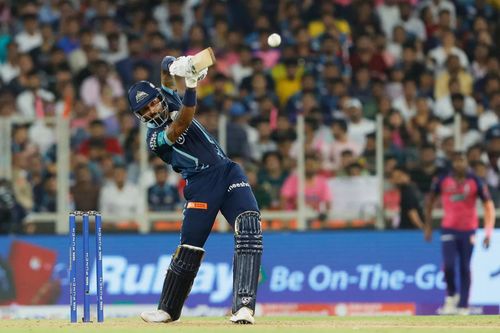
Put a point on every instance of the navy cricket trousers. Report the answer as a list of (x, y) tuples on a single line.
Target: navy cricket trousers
[(457, 245), (223, 187)]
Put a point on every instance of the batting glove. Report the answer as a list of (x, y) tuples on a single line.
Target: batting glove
[(182, 66)]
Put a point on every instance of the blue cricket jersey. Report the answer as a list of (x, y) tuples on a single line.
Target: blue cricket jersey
[(195, 150)]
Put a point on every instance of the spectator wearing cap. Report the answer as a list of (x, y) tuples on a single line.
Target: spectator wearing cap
[(453, 71), (359, 126), (118, 198), (163, 196), (30, 37)]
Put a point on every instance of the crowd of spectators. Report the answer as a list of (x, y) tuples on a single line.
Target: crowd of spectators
[(341, 63)]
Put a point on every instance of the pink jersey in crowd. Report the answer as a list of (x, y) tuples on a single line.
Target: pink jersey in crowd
[(317, 192), (459, 200)]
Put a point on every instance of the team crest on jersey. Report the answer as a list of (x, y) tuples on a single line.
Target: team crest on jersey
[(140, 95)]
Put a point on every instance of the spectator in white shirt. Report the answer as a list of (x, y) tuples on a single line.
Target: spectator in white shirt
[(120, 198), (395, 46), (332, 157), (30, 37), (9, 70), (359, 127), (412, 24), (35, 102), (389, 16), (491, 117), (444, 109), (407, 104), (440, 54), (437, 6)]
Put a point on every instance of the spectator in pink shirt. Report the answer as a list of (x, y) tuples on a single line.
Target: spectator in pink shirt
[(94, 87), (317, 192)]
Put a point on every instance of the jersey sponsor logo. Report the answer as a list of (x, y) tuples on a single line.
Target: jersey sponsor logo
[(140, 95), (197, 205), (237, 185)]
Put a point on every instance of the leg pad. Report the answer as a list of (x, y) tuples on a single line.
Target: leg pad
[(246, 261), (179, 279)]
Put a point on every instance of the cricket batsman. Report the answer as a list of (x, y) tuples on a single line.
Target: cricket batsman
[(459, 191), (213, 183)]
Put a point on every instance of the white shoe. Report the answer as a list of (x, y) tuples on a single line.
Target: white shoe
[(463, 311), (450, 305), (156, 316), (243, 316)]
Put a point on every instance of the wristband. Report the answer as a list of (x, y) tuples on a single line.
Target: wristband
[(189, 97)]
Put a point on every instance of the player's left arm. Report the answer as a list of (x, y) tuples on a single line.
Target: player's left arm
[(489, 210)]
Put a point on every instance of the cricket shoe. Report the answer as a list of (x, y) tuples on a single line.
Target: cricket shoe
[(156, 316), (450, 305), (463, 311), (243, 316)]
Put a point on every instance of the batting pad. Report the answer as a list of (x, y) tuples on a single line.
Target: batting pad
[(179, 279), (247, 258)]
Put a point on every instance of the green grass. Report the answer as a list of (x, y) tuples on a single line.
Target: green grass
[(427, 324)]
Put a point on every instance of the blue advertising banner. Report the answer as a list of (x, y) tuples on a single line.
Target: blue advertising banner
[(310, 267)]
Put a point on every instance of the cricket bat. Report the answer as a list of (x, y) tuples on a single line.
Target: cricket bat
[(203, 59)]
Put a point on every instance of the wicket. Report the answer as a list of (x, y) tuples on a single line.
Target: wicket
[(86, 263)]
